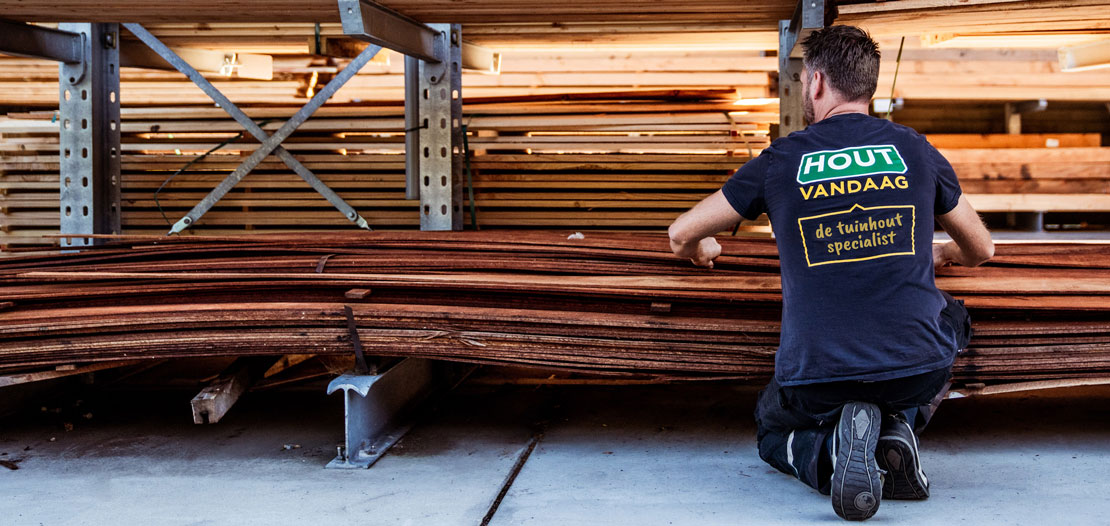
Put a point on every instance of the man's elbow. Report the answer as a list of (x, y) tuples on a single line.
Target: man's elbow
[(683, 241), (680, 236), (982, 254)]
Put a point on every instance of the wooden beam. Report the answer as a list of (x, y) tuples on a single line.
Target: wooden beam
[(1018, 387), (230, 64), (62, 372), (902, 17), (1008, 42), (285, 362), (213, 402), (1039, 202), (1011, 119), (1011, 140), (345, 47), (1082, 57), (512, 11), (907, 5)]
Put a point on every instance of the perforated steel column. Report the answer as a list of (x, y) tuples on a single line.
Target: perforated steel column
[(89, 120), (809, 16), (440, 119), (791, 111)]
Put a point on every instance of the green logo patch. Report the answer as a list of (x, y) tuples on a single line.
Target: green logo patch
[(858, 161)]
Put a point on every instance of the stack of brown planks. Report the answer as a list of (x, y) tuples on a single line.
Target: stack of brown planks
[(608, 303), (975, 16), (29, 82), (605, 160), (600, 22), (632, 160)]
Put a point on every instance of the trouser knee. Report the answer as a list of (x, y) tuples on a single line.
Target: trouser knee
[(800, 454)]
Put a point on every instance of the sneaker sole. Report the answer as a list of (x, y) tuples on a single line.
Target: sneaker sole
[(856, 485), (904, 481)]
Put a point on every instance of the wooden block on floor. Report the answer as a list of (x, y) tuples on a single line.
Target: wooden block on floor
[(213, 402)]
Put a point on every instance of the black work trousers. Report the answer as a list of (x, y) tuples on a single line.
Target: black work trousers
[(793, 423)]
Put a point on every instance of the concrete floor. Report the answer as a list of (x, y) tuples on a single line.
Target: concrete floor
[(657, 455)]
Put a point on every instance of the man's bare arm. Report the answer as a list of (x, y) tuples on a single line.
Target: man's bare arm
[(971, 243), (691, 234)]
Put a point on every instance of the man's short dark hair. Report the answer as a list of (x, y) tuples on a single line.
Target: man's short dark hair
[(847, 56)]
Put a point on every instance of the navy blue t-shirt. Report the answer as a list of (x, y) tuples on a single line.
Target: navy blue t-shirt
[(851, 201)]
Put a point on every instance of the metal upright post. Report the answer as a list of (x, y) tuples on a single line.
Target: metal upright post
[(89, 117), (412, 127), (440, 119), (434, 55), (808, 16), (791, 114), (458, 155)]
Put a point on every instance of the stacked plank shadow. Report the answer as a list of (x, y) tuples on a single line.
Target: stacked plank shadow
[(614, 304)]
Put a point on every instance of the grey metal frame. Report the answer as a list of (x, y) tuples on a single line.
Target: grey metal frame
[(433, 174), (88, 120), (270, 143), (440, 147), (377, 24), (412, 127), (41, 42), (433, 103), (89, 134), (808, 16)]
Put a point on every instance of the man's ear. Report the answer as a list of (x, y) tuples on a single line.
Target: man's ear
[(817, 85)]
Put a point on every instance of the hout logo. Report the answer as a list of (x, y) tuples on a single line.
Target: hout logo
[(857, 161)]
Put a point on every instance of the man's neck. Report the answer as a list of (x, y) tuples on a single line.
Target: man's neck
[(844, 108)]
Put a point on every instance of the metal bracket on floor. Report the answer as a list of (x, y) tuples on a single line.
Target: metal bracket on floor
[(375, 406), (270, 143)]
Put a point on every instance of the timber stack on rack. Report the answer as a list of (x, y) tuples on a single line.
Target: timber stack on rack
[(608, 303), (633, 159), (595, 118), (605, 119)]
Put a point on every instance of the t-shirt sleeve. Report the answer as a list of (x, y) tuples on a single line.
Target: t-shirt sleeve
[(948, 186), (744, 190)]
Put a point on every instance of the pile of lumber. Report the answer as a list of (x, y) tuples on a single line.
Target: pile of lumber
[(989, 75), (608, 160), (657, 34), (937, 116), (908, 17), (512, 16), (764, 13), (518, 179), (608, 303), (29, 82), (621, 138)]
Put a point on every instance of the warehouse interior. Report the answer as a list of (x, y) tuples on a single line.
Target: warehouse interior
[(406, 262)]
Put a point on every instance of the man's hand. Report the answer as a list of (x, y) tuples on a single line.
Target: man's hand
[(708, 250), (942, 254), (692, 233), (971, 242)]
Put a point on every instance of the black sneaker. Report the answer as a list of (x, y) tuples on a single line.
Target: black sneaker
[(857, 485), (897, 454)]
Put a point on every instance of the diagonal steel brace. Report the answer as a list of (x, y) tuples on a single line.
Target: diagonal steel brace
[(270, 143)]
